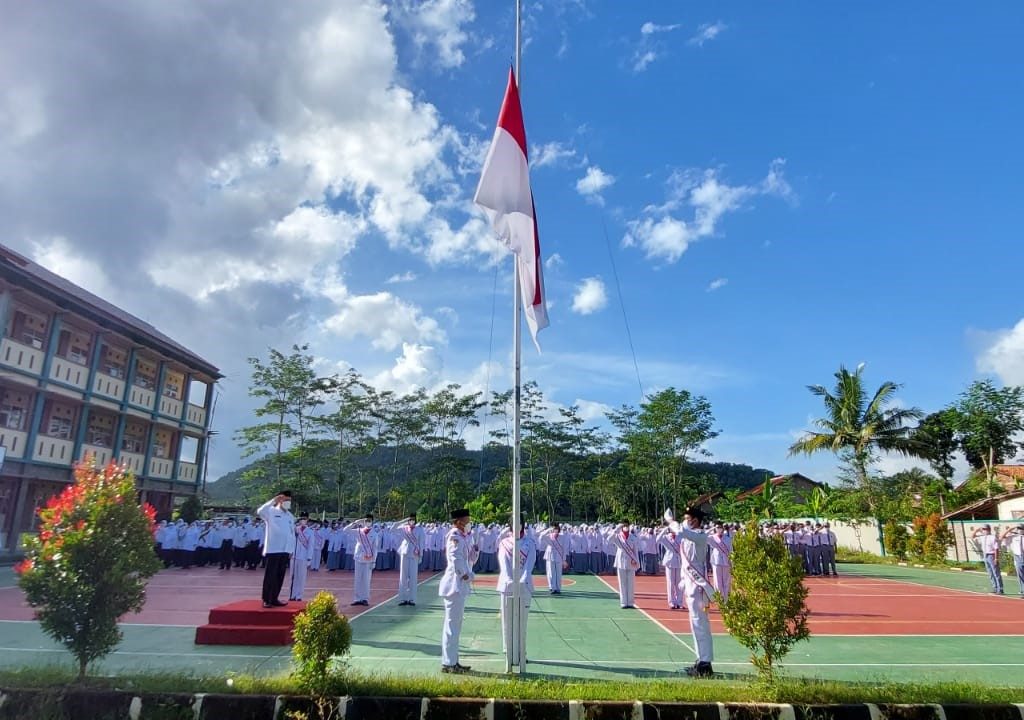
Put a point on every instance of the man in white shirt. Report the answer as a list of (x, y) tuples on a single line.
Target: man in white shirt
[(527, 549), (456, 584), (720, 545), (278, 546), (366, 545), (626, 562), (988, 546), (556, 556), (1013, 540), (697, 591)]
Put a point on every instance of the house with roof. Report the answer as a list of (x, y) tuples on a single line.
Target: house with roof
[(81, 378), (801, 486)]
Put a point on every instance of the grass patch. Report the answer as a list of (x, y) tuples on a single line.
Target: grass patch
[(798, 691)]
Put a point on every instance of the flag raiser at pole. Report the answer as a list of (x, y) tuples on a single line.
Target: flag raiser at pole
[(504, 194)]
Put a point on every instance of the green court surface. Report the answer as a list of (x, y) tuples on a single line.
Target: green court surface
[(581, 634)]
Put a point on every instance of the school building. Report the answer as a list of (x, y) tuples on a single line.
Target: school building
[(80, 377)]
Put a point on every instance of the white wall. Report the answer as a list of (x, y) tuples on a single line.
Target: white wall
[(853, 536)]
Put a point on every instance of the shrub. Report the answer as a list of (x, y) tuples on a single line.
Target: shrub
[(767, 609), (191, 510), (895, 534), (915, 541), (321, 635), (89, 563), (937, 539)]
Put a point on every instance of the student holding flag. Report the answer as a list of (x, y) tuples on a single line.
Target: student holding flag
[(697, 591), (627, 562)]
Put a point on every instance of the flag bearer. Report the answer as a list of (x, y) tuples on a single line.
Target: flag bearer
[(456, 585)]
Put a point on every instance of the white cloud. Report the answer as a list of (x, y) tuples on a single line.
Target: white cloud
[(591, 410), (642, 58), (1003, 355), (407, 276), (707, 32), (553, 261), (594, 182), (552, 153), (438, 24), (419, 366), (717, 283), (664, 236), (386, 320), (590, 296), (649, 28)]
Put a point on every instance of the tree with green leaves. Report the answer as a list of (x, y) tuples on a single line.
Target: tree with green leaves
[(347, 425), (988, 421), (290, 392), (937, 441), (857, 427), (767, 607)]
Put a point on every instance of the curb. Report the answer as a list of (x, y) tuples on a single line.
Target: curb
[(72, 704)]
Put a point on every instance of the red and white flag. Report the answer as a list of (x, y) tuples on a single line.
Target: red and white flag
[(504, 194)]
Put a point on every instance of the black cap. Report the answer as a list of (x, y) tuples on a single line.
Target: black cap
[(303, 515), (369, 516), (460, 513), (286, 493), (695, 512), (412, 516)]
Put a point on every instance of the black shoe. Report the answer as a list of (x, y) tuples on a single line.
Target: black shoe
[(462, 668), (278, 603), (411, 604), (700, 670), (354, 603), (450, 669), (267, 605)]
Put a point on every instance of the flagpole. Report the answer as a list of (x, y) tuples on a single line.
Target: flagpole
[(513, 652)]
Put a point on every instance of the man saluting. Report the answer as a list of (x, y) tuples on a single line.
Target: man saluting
[(456, 585), (278, 545)]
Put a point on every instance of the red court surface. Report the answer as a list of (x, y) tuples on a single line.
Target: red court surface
[(852, 605), (185, 597)]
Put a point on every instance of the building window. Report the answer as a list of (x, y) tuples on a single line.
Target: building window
[(160, 450), (12, 417), (133, 444), (32, 338), (77, 356), (144, 382), (59, 428)]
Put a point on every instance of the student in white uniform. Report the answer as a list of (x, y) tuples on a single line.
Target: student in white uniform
[(456, 585), (697, 591), (527, 549), (319, 539), (1013, 540), (720, 546), (555, 545), (668, 541), (279, 545), (626, 562), (364, 556), (302, 557), (988, 546), (410, 552)]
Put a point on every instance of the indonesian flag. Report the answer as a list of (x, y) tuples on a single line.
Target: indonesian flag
[(504, 194)]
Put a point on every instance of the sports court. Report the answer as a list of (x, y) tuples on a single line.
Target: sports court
[(874, 622)]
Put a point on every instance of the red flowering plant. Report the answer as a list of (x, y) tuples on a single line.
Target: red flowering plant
[(89, 563)]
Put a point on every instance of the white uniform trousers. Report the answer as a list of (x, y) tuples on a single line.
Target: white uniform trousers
[(721, 580), (554, 575), (454, 609), (314, 561), (700, 623), (407, 568), (299, 570), (361, 587), (506, 625), (627, 587), (672, 591)]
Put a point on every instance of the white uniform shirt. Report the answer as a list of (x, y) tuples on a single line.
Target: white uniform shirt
[(280, 529), (527, 559), (989, 544), (461, 557)]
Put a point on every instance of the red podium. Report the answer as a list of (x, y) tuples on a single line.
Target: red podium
[(247, 622)]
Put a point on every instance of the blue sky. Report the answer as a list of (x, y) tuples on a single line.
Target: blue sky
[(784, 188)]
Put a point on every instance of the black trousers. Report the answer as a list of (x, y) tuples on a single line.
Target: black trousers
[(226, 548), (273, 577)]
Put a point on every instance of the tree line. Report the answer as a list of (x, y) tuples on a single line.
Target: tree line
[(345, 447)]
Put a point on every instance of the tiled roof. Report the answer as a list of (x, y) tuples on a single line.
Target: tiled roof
[(10, 260), (775, 481), (985, 506)]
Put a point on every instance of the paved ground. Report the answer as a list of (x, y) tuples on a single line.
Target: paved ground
[(582, 633)]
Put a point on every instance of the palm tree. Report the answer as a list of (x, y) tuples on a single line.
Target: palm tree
[(855, 428)]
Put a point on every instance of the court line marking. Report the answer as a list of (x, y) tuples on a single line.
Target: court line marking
[(146, 653), (555, 661), (651, 618), (952, 591)]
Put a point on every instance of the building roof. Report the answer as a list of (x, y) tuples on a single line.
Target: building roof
[(106, 314), (776, 481), (984, 509), (1007, 476)]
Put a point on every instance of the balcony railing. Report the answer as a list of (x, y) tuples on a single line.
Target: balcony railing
[(106, 386), (69, 372), (14, 441), (22, 357), (187, 472), (53, 450), (141, 397), (170, 407), (196, 415), (161, 468), (133, 461), (100, 455)]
